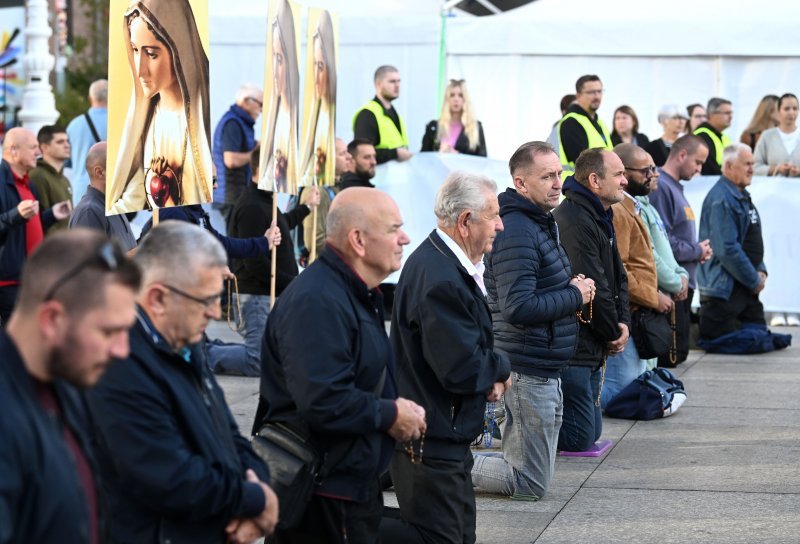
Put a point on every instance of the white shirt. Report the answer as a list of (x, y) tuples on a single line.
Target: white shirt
[(474, 270), (789, 140)]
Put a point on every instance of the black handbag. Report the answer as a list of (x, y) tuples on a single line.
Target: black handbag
[(294, 468), (651, 332), (654, 394)]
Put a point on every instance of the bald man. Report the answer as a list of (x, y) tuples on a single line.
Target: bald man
[(91, 212), (326, 368), (21, 225)]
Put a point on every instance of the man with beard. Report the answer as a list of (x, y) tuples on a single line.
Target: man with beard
[(379, 123), (636, 252), (364, 161), (581, 128), (76, 304)]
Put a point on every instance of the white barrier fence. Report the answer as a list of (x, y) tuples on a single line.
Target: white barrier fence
[(413, 185)]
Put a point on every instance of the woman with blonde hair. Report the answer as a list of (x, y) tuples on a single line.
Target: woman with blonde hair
[(765, 117), (457, 130), (278, 162), (164, 153), (319, 144)]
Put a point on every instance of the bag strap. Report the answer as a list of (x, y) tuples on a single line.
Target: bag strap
[(92, 127), (673, 349)]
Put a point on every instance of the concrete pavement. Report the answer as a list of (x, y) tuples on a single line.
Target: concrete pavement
[(724, 469)]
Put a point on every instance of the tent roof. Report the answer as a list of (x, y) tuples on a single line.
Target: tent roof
[(632, 28)]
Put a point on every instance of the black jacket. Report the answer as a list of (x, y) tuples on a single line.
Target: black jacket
[(430, 140), (593, 252), (251, 216), (527, 279), (442, 338), (351, 179), (41, 498), (173, 460), (324, 354), (573, 136), (12, 225)]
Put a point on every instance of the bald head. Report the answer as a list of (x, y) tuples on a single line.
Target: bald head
[(20, 150), (96, 166), (364, 225), (630, 153)]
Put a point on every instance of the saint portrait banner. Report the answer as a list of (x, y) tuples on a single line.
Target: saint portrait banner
[(317, 161), (278, 164), (159, 152)]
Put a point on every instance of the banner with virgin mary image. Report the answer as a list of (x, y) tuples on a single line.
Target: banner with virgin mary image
[(159, 152), (317, 160), (278, 168)]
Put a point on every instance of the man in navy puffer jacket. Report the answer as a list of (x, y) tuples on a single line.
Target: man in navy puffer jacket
[(534, 299)]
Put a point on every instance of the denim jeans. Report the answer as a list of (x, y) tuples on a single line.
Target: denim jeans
[(583, 421), (621, 370), (534, 408), (243, 359)]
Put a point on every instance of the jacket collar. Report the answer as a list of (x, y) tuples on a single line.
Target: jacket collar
[(41, 163), (240, 112), (584, 197), (188, 356), (440, 245), (740, 194), (511, 201), (371, 298)]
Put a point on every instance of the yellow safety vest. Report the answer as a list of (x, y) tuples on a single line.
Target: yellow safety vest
[(595, 139), (391, 138), (719, 143)]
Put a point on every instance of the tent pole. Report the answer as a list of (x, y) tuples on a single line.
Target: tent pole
[(442, 59)]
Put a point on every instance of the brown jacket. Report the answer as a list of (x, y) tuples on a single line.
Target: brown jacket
[(636, 251)]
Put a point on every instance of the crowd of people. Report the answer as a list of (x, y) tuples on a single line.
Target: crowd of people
[(539, 295)]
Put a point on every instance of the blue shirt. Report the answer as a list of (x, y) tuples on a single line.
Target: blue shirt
[(80, 141)]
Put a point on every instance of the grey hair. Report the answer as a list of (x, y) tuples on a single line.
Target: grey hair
[(714, 104), (249, 90), (670, 111), (98, 91), (731, 153), (460, 192), (174, 251)]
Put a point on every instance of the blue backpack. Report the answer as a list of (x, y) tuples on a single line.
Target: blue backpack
[(654, 394)]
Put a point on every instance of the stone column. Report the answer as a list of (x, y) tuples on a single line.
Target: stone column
[(38, 102)]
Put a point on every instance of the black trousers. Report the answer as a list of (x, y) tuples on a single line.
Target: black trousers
[(683, 322), (437, 501), (8, 298), (335, 521), (719, 316)]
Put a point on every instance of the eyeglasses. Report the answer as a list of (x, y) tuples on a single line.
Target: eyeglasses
[(646, 172), (257, 101), (207, 302), (105, 257)]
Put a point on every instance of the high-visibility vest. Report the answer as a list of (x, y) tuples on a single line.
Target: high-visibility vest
[(391, 138), (595, 139), (719, 143)]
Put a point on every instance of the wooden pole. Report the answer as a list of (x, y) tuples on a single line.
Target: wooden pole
[(313, 256), (155, 217), (274, 265)]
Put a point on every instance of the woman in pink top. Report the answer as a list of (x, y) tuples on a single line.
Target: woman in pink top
[(457, 130)]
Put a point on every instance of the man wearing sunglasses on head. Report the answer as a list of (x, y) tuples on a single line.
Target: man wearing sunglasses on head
[(175, 466), (76, 304)]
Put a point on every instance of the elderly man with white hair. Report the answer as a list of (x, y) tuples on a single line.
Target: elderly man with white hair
[(233, 145), (731, 280), (446, 362), (86, 130)]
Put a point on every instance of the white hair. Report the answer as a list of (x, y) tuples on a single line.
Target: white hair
[(98, 91), (174, 252), (249, 90), (731, 153), (460, 192)]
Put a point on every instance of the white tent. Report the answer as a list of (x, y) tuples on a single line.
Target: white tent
[(519, 64)]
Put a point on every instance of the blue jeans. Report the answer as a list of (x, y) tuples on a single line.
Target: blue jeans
[(243, 359), (534, 408), (583, 421), (621, 370)]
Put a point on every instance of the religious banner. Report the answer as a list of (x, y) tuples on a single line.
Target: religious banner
[(278, 164), (317, 161), (158, 120)]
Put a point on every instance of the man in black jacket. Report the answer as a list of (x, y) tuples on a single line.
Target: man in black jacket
[(585, 223), (327, 367), (75, 307), (363, 153), (442, 338), (174, 465), (534, 298)]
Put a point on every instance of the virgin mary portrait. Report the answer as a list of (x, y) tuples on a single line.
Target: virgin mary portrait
[(278, 164), (317, 157), (164, 156)]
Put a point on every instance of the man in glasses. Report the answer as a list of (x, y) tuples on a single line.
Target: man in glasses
[(636, 251), (175, 466), (22, 222), (581, 128), (234, 142), (76, 305), (720, 117)]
